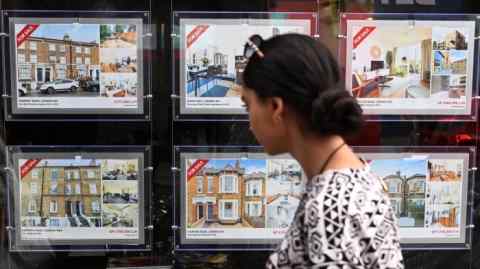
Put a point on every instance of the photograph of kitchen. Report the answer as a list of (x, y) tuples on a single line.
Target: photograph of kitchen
[(214, 54), (386, 65), (118, 85), (445, 193), (120, 215)]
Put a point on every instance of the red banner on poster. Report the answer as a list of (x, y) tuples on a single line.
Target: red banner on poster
[(26, 32), (361, 35), (28, 166), (195, 167), (195, 34)]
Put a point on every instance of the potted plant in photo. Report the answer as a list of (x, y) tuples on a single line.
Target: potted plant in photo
[(205, 61)]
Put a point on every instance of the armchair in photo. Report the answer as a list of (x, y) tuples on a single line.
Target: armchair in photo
[(364, 88)]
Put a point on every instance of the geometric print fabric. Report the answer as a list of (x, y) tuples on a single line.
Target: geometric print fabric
[(344, 221)]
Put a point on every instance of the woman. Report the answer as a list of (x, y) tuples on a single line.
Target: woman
[(297, 104)]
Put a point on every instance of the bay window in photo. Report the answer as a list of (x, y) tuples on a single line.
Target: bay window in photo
[(229, 184), (229, 209)]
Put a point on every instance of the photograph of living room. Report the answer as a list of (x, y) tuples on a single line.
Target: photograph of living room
[(386, 65), (118, 60), (444, 205), (444, 216), (120, 215)]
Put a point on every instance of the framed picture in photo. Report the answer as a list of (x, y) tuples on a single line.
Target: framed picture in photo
[(429, 192), (237, 198), (228, 199), (211, 58), (78, 199), (76, 65), (426, 68)]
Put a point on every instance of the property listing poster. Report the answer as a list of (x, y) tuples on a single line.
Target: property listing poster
[(77, 67), (241, 198), (231, 199), (397, 67), (428, 195), (212, 59), (79, 199)]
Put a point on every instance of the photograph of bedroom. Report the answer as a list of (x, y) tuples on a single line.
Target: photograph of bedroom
[(393, 61)]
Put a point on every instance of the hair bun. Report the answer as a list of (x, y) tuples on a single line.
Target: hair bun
[(335, 111)]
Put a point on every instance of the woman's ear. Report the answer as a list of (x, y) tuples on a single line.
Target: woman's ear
[(278, 109)]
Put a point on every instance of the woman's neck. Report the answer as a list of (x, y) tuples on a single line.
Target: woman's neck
[(317, 155)]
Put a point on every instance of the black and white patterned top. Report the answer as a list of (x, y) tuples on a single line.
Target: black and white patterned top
[(344, 221)]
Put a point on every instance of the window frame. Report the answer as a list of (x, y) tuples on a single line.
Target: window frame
[(92, 187), (53, 206), (199, 184), (235, 213), (224, 179)]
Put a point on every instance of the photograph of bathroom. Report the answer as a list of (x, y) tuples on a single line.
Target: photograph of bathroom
[(387, 65)]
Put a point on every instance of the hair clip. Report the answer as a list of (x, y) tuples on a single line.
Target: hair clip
[(251, 47)]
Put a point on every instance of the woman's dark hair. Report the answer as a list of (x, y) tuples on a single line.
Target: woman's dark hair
[(303, 72)]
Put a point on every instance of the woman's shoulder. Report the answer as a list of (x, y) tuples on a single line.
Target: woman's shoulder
[(344, 180), (346, 188), (350, 213)]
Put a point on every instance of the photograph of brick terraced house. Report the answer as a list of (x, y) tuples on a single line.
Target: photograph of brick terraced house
[(60, 60), (226, 193), (406, 183), (62, 193)]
